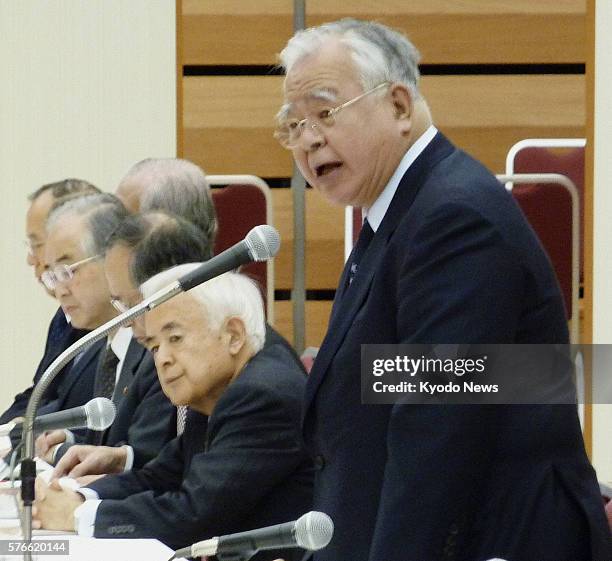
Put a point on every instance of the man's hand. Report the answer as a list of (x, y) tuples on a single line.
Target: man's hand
[(46, 442), (91, 460), (54, 507)]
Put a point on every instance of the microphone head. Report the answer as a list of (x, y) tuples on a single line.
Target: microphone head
[(313, 530), (100, 413), (263, 242)]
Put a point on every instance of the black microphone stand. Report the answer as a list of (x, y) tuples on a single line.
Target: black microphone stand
[(28, 465)]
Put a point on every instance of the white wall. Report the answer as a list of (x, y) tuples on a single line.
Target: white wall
[(87, 87), (602, 250)]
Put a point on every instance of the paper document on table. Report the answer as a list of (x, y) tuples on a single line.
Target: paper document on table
[(8, 501)]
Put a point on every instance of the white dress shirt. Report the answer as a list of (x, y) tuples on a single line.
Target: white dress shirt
[(377, 211)]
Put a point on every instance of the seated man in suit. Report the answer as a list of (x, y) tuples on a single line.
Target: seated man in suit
[(61, 333), (248, 469), (145, 418), (76, 276), (175, 186), (142, 246)]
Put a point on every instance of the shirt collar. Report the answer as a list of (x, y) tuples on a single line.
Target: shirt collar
[(377, 211), (121, 342)]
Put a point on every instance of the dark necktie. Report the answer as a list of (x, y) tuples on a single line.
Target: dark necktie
[(365, 237), (106, 374)]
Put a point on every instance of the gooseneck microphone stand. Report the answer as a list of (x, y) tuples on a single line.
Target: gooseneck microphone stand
[(260, 244), (28, 465)]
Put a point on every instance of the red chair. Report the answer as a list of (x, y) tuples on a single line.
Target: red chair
[(243, 202), (553, 155), (551, 204)]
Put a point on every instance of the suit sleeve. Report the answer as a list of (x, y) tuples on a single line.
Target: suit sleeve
[(254, 445), (163, 474), (461, 284)]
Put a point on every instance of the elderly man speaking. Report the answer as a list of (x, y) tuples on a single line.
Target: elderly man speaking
[(248, 469), (444, 256)]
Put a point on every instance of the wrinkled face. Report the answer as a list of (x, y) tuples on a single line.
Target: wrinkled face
[(193, 361), (85, 297), (120, 285), (36, 233), (350, 161)]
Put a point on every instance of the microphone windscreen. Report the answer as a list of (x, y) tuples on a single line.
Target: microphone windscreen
[(314, 530), (100, 413), (263, 242)]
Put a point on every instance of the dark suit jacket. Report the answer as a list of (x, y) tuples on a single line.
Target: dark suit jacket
[(247, 469), (72, 387), (146, 419), (453, 261), (62, 394)]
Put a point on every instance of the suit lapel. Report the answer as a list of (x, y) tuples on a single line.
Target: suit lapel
[(349, 301), (84, 362), (133, 358)]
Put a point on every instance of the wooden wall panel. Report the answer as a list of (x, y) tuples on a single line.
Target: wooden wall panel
[(317, 318), (229, 120), (243, 32), (238, 32), (324, 241), (229, 123)]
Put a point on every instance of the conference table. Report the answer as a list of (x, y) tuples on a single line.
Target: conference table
[(63, 546)]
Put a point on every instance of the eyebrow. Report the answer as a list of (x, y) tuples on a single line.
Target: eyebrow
[(320, 94), (64, 257), (170, 326), (167, 327), (323, 94)]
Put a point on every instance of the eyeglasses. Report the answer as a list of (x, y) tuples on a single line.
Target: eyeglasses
[(289, 132), (63, 273), (119, 305)]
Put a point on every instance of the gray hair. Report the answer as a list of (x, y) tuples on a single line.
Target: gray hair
[(64, 188), (225, 296), (178, 187), (380, 53), (103, 213)]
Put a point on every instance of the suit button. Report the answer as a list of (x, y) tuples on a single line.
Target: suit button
[(125, 390), (319, 462)]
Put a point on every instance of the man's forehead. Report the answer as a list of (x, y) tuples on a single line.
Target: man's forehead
[(63, 241)]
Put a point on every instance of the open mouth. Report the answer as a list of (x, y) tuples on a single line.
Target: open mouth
[(325, 169)]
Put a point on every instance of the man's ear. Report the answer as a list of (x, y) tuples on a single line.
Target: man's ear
[(403, 105), (235, 331)]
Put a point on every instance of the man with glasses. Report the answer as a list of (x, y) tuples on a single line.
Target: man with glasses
[(76, 276), (125, 373), (179, 187), (444, 256), (61, 333)]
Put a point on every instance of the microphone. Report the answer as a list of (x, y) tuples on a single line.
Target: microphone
[(312, 531), (260, 244), (97, 414)]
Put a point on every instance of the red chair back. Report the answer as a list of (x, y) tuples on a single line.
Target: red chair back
[(566, 160), (548, 208), (239, 209)]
